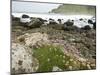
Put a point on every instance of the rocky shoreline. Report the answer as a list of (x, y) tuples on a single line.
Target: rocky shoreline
[(75, 49)]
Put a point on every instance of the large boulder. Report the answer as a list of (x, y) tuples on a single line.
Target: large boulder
[(87, 27), (91, 22), (71, 28), (15, 18), (69, 23), (33, 39), (25, 19), (52, 21), (25, 16), (22, 59), (94, 25), (35, 23), (81, 19), (60, 21)]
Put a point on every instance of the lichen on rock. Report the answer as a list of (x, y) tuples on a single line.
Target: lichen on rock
[(22, 59), (34, 38)]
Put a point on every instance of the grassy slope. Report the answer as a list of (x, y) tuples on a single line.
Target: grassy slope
[(74, 9), (50, 56)]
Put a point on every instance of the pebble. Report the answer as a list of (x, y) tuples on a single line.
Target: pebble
[(88, 66), (70, 67), (71, 59), (67, 62), (74, 62), (93, 65), (56, 68), (83, 64)]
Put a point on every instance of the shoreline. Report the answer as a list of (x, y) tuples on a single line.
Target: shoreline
[(52, 15)]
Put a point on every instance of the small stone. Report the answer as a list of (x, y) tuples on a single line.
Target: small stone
[(88, 66), (88, 62), (71, 59), (20, 62), (40, 45), (72, 39), (37, 47), (84, 64), (70, 67), (74, 62), (56, 68), (93, 65), (13, 69), (82, 59), (67, 62)]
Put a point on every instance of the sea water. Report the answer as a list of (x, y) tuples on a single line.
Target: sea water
[(64, 18)]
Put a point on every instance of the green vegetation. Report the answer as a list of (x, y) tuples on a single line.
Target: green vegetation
[(72, 39), (74, 9), (49, 56)]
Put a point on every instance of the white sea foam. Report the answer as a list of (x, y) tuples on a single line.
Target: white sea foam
[(53, 16), (60, 16)]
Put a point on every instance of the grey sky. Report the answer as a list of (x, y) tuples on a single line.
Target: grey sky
[(32, 7)]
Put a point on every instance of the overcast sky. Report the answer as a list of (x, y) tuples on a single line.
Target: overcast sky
[(32, 7)]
